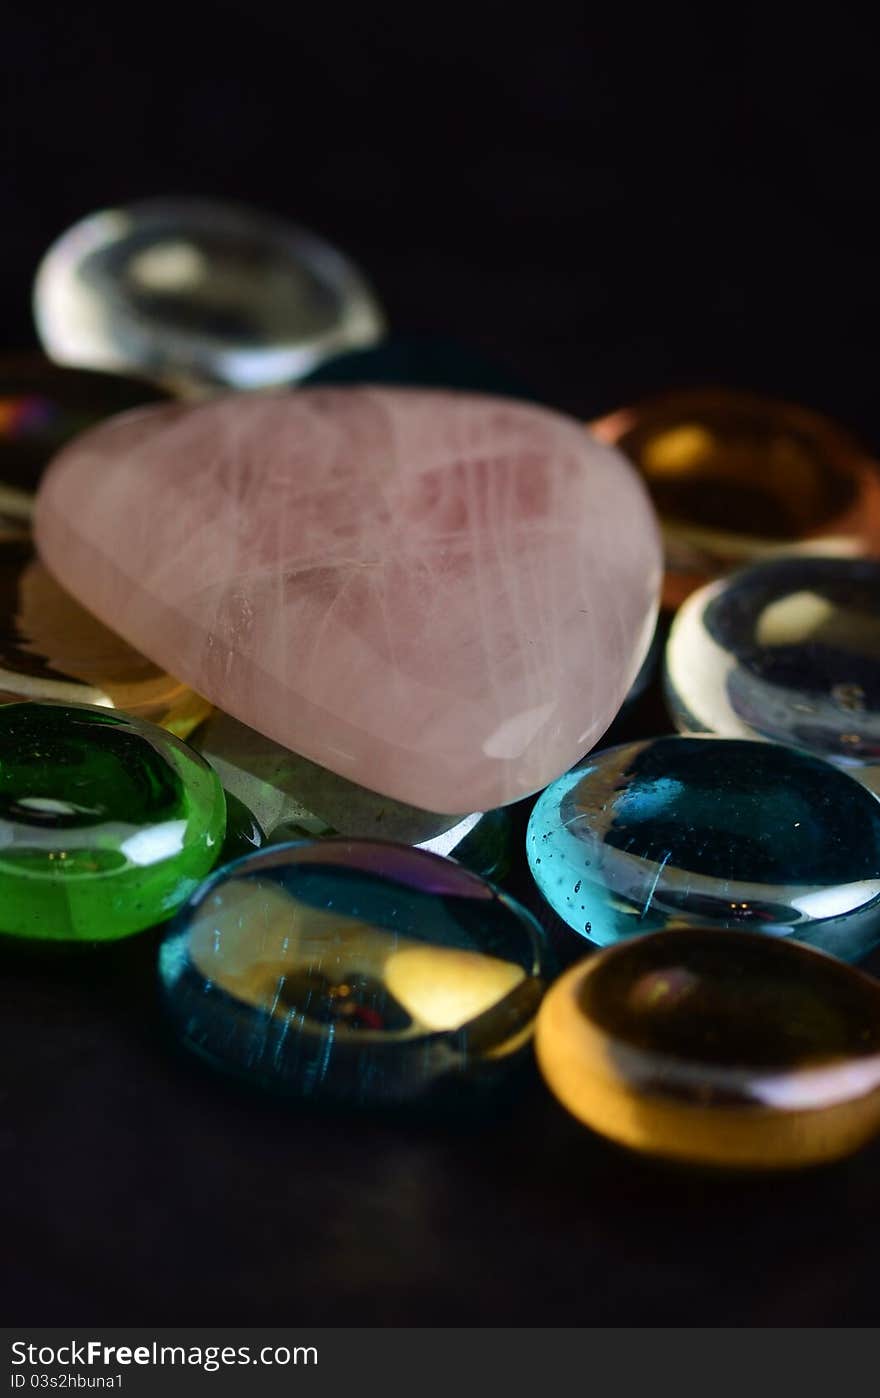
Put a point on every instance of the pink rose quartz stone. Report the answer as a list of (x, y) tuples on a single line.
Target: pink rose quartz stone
[(441, 596)]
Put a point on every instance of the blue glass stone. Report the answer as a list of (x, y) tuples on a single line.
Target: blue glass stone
[(355, 971), (420, 362), (787, 650), (719, 833)]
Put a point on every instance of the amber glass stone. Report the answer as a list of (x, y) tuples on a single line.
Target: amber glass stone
[(723, 1049), (736, 476), (52, 648)]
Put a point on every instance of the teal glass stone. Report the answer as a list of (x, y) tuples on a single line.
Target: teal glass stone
[(719, 833), (107, 823), (787, 650), (357, 972)]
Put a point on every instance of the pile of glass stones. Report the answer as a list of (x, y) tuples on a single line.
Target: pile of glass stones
[(330, 943)]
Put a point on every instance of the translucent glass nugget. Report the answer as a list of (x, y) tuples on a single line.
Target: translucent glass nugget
[(107, 824), (724, 833), (787, 650), (733, 1051), (442, 597), (196, 294), (736, 476), (355, 971)]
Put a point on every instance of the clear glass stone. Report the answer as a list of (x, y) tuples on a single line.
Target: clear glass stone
[(198, 295)]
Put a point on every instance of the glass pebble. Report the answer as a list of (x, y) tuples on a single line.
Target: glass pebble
[(107, 823), (736, 476), (355, 971), (198, 295), (787, 650), (720, 832), (734, 1051)]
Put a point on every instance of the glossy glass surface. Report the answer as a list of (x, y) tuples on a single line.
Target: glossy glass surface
[(723, 833), (787, 650), (732, 1050), (736, 477), (355, 971), (198, 295), (52, 648), (42, 406), (107, 824)]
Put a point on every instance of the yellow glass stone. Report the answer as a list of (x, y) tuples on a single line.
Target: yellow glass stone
[(52, 648), (725, 1049), (736, 477)]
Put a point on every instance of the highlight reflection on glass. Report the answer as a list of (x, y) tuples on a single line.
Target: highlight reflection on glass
[(198, 295), (355, 971)]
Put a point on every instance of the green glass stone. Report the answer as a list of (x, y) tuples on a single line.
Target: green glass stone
[(107, 823)]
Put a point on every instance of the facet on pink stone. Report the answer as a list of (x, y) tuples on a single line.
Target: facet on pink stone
[(440, 596)]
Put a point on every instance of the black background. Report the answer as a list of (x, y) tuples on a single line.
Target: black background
[(607, 205)]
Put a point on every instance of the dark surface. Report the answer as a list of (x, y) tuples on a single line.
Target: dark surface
[(607, 209)]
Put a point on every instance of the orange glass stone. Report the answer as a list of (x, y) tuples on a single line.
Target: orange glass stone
[(726, 1049), (736, 477)]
